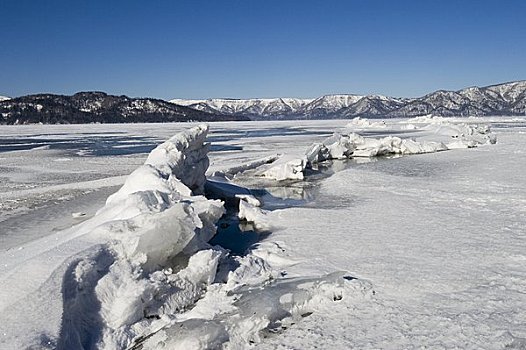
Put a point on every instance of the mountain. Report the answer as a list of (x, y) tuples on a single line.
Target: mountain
[(4, 98), (503, 99), (90, 107), (254, 108)]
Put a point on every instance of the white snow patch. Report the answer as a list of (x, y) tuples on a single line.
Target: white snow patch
[(363, 123)]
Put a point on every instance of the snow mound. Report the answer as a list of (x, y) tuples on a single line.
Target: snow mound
[(363, 123), (428, 119), (464, 135)]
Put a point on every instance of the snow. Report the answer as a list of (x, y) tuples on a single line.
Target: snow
[(445, 135), (285, 168), (502, 99), (262, 106), (249, 210), (363, 123), (151, 219), (333, 102), (415, 251), (439, 237), (274, 106), (4, 98)]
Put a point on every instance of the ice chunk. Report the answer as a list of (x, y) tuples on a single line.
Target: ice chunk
[(250, 199), (338, 146), (252, 213), (410, 146), (370, 147), (152, 220), (224, 189), (314, 154), (286, 168), (232, 171)]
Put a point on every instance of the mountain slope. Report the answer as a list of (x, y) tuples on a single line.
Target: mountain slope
[(89, 107), (260, 107), (501, 99)]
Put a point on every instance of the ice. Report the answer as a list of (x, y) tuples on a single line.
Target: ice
[(237, 169), (351, 145), (221, 187), (250, 199), (417, 251), (437, 235), (249, 210), (181, 159), (285, 168), (190, 334), (253, 311), (143, 259), (457, 136), (291, 167), (363, 123), (152, 219)]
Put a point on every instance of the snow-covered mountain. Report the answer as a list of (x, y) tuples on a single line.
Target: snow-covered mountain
[(89, 107), (502, 99), (262, 107), (4, 98)]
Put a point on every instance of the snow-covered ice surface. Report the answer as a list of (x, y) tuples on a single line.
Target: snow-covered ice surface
[(440, 237), (418, 251)]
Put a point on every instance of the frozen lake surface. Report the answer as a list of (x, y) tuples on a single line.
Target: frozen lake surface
[(419, 251), (45, 169)]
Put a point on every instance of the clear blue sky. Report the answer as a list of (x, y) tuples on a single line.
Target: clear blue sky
[(259, 48)]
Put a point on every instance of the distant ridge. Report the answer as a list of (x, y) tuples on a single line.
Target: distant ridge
[(501, 99), (507, 99), (99, 107)]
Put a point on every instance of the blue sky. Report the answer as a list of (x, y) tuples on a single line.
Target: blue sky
[(256, 48)]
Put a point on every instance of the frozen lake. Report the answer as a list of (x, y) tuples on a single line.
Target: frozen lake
[(47, 170), (433, 244)]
